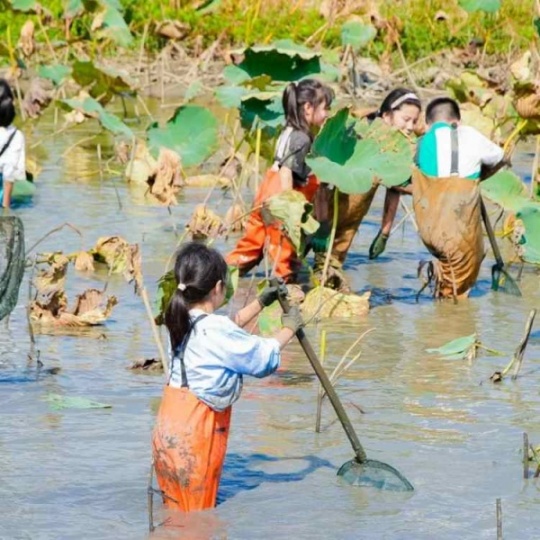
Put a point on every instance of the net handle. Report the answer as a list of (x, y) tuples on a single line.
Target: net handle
[(325, 382)]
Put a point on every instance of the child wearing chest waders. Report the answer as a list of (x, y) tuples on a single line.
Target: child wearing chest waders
[(210, 355), (306, 106), (12, 152)]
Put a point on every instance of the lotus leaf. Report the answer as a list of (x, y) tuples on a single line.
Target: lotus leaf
[(114, 26), (383, 154), (102, 83), (335, 141), (295, 213), (528, 233), (91, 107), (489, 6), (470, 87), (282, 60), (456, 349), (25, 5), (58, 402), (73, 8), (262, 109), (231, 96), (506, 189), (192, 133), (356, 34), (55, 73)]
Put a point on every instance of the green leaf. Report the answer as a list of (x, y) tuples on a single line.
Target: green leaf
[(262, 109), (209, 6), (58, 402), (295, 214), (282, 60), (357, 34), (235, 75), (529, 238), (457, 348), (231, 96), (26, 5), (536, 23), (233, 278), (167, 285), (335, 141), (383, 153), (192, 133), (91, 107), (115, 27), (506, 189), (102, 82), (193, 90), (73, 8), (55, 73), (489, 6)]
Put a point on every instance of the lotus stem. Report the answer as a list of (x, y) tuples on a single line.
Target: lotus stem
[(320, 393), (521, 124), (499, 519), (52, 231), (257, 155), (332, 237), (155, 332), (525, 455), (520, 351), (47, 40)]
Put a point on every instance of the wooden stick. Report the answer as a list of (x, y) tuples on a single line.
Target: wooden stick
[(155, 333), (320, 393), (520, 351), (499, 520), (525, 455)]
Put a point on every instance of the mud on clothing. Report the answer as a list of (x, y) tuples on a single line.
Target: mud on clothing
[(434, 153), (192, 426), (291, 150)]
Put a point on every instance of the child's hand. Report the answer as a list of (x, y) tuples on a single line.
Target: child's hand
[(270, 294), (292, 320)]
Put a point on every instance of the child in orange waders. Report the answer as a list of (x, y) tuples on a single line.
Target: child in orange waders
[(210, 355), (306, 106)]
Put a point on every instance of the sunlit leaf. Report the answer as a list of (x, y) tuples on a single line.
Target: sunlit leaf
[(90, 107), (192, 133), (101, 82), (528, 239), (231, 96), (25, 5), (294, 212), (56, 73), (336, 141), (506, 189), (456, 349), (356, 34), (489, 6), (58, 402), (282, 60)]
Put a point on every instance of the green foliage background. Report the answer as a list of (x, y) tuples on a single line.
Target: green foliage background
[(241, 22)]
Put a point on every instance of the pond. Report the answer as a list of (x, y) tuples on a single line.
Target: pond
[(453, 433)]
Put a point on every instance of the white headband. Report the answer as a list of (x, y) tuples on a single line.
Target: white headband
[(404, 98), (181, 286)]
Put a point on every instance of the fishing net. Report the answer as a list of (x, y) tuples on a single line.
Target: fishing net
[(11, 262), (447, 212), (373, 473)]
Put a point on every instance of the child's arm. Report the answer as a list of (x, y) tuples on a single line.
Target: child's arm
[(286, 177)]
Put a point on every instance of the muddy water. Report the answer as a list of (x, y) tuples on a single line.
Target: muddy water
[(456, 436)]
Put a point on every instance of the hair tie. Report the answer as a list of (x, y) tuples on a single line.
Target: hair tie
[(181, 287), (405, 97)]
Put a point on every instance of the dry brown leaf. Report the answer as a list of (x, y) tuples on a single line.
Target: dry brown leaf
[(167, 180), (235, 218), (172, 29), (204, 223), (143, 166), (52, 279), (37, 97), (121, 258), (327, 303), (84, 262), (27, 42)]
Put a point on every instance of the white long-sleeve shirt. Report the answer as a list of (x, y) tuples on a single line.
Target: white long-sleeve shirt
[(217, 355), (13, 160)]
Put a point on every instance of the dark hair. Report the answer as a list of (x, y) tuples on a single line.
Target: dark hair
[(443, 108), (197, 268), (296, 95), (395, 100), (7, 108)]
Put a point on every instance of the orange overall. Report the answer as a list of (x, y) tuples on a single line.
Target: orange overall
[(250, 248), (189, 445)]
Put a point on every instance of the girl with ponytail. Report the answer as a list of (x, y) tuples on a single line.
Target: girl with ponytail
[(306, 105), (12, 151), (210, 354)]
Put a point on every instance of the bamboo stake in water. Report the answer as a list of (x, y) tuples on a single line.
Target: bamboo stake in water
[(320, 395), (525, 455), (499, 520)]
